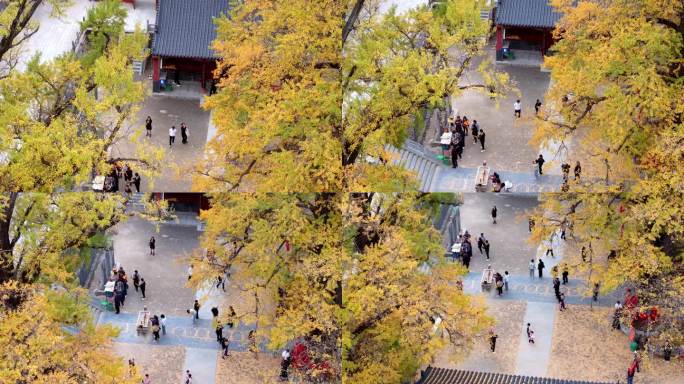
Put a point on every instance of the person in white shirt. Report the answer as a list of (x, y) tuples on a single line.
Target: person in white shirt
[(190, 272), (172, 135), (505, 280), (532, 266), (517, 108)]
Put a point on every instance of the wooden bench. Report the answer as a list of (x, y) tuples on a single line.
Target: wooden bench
[(142, 324), (482, 178)]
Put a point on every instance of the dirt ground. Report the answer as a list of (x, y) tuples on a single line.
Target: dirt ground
[(160, 362), (243, 368), (509, 316), (585, 347)]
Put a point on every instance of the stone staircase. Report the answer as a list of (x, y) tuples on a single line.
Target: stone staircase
[(136, 202), (414, 157), (138, 67)]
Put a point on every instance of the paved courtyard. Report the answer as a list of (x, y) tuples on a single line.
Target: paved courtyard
[(167, 111), (575, 344), (187, 344), (509, 249)]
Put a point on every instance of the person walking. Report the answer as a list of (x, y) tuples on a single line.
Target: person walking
[(214, 312), (146, 379), (284, 365), (184, 133), (578, 170), (162, 323), (556, 288), (486, 248), (136, 182), (142, 287), (466, 253), (506, 276), (220, 282), (633, 369), (136, 280), (188, 377), (224, 347), (540, 267), (480, 242), (481, 136), (530, 224), (565, 168), (494, 211), (529, 328), (492, 340), (193, 315), (475, 130), (540, 163), (561, 300), (196, 307), (596, 291), (148, 127), (565, 273), (152, 244), (532, 267), (231, 317), (155, 327), (530, 337), (219, 331), (454, 149), (537, 106), (499, 283), (190, 272), (517, 108), (172, 135), (549, 248)]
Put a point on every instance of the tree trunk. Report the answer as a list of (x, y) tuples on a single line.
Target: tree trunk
[(6, 246)]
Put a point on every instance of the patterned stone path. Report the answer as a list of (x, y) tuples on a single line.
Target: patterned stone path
[(529, 289), (463, 180), (179, 331)]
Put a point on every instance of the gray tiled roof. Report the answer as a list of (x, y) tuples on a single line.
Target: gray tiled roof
[(526, 13), (185, 28), (454, 376)]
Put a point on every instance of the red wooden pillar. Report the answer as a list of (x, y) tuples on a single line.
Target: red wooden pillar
[(155, 68), (499, 38), (204, 73)]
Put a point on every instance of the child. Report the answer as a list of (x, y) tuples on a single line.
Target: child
[(562, 301), (530, 337)]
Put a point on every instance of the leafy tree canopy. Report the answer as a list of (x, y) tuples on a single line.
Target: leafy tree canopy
[(617, 99)]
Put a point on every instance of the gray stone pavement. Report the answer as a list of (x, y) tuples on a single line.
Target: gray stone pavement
[(462, 179), (507, 137), (165, 112), (180, 330), (165, 273), (509, 249), (55, 34), (533, 358), (524, 288)]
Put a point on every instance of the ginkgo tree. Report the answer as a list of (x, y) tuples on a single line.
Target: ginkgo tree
[(397, 64), (48, 336), (616, 99), (342, 274), (298, 110), (59, 119)]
